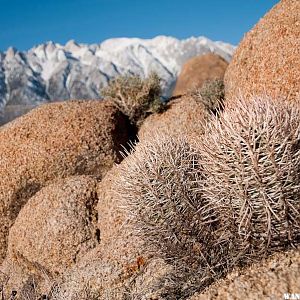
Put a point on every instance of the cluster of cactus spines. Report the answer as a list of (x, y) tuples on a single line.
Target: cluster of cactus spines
[(251, 161), (134, 96), (161, 185), (226, 200), (211, 95)]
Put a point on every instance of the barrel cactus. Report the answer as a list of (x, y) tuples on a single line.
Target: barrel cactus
[(251, 160), (161, 184)]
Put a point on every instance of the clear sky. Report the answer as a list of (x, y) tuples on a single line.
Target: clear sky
[(25, 23)]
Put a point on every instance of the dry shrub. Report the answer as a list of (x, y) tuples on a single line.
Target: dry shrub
[(135, 97), (251, 161), (211, 95), (161, 184)]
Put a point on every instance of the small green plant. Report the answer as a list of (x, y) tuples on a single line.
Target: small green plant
[(135, 97), (211, 95)]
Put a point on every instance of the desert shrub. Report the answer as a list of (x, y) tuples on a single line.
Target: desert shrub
[(161, 184), (134, 96), (211, 95), (251, 161)]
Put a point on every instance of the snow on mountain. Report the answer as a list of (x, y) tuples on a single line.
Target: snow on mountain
[(51, 72)]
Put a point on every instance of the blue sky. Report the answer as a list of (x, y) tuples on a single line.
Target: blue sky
[(25, 23)]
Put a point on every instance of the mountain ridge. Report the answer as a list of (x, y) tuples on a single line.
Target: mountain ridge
[(53, 72)]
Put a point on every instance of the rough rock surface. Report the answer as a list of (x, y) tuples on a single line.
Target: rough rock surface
[(276, 276), (117, 268), (197, 70), (184, 116), (55, 141), (53, 231), (97, 277), (268, 58)]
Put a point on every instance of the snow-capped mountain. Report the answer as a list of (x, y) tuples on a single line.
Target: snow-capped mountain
[(51, 72)]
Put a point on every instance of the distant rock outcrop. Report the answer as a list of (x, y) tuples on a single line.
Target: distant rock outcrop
[(198, 70), (268, 58), (52, 232), (56, 141)]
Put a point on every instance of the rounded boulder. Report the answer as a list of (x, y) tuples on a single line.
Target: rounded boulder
[(267, 60), (196, 71), (55, 141)]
